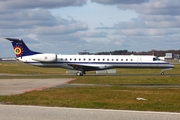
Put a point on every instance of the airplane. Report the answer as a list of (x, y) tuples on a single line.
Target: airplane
[(84, 63)]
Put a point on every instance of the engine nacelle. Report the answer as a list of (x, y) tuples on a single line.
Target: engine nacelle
[(46, 57)]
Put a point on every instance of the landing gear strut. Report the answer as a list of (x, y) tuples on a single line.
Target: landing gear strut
[(162, 73)]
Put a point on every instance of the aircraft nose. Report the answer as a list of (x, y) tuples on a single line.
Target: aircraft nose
[(170, 66)]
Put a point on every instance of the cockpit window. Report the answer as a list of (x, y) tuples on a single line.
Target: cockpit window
[(156, 59)]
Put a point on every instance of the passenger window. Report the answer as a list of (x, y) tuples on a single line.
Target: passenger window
[(126, 59), (112, 59), (116, 59), (121, 59)]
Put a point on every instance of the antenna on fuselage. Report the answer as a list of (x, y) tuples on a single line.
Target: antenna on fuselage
[(84, 53)]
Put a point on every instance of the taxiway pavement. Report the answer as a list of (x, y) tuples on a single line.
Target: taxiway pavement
[(15, 112), (18, 86)]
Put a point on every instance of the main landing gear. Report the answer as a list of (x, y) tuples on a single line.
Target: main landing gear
[(80, 73)]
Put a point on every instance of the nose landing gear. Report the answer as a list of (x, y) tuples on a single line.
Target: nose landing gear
[(162, 73)]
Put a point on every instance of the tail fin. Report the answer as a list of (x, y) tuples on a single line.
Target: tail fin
[(20, 48)]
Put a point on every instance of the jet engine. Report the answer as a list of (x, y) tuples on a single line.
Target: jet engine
[(46, 57)]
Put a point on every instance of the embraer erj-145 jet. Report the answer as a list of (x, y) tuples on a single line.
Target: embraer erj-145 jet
[(84, 63)]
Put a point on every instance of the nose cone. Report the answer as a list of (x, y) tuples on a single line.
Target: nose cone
[(172, 66), (169, 65)]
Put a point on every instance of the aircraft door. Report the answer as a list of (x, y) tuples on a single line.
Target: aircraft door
[(139, 61)]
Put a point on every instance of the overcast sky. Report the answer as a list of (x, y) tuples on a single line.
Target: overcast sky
[(71, 26)]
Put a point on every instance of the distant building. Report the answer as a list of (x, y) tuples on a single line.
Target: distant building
[(176, 56), (169, 56)]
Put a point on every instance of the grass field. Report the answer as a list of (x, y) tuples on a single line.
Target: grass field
[(107, 97)]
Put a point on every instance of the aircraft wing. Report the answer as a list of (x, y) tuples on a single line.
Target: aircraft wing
[(84, 67)]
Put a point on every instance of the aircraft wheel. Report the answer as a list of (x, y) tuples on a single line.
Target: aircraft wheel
[(79, 74), (162, 73)]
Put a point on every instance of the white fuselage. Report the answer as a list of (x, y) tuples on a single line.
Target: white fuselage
[(84, 63), (99, 62)]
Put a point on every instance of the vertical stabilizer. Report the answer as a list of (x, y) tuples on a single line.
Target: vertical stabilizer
[(20, 48)]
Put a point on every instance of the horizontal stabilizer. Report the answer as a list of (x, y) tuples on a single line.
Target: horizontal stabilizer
[(14, 39)]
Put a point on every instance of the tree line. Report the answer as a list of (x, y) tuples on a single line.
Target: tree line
[(152, 52)]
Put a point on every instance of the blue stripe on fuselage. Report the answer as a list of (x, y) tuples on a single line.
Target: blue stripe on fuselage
[(101, 62)]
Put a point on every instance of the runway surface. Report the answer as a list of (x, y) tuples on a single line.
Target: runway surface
[(14, 112), (18, 86)]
